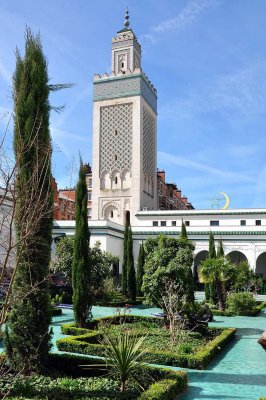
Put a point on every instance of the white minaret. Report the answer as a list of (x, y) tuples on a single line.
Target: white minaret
[(124, 135)]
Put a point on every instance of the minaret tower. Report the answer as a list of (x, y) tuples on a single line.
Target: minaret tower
[(124, 135)]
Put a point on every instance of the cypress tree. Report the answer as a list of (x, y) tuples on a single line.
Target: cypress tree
[(28, 338), (140, 270), (124, 265), (183, 233), (212, 254), (131, 275), (81, 268), (220, 249)]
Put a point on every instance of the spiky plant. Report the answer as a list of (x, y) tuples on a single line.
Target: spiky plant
[(124, 355)]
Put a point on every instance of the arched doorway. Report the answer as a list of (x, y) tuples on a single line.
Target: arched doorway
[(236, 257), (201, 256), (261, 266)]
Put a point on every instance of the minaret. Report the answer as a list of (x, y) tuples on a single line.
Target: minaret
[(124, 135)]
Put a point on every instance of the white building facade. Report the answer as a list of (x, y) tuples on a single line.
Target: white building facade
[(242, 231), (124, 172)]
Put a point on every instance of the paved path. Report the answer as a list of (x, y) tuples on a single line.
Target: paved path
[(239, 372)]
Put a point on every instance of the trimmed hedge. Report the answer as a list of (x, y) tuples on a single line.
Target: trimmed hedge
[(227, 313), (118, 303), (168, 384), (166, 389), (76, 344)]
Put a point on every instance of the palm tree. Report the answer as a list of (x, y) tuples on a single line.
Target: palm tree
[(124, 357), (216, 271)]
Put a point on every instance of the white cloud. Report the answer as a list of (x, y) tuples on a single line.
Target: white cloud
[(242, 92), (64, 140), (168, 158), (184, 18)]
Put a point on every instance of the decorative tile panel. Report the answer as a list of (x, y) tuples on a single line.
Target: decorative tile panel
[(127, 86), (116, 138), (148, 144)]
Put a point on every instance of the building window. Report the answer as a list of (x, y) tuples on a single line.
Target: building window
[(214, 223), (155, 223), (112, 214), (116, 180), (243, 222), (89, 196), (90, 182), (115, 157), (173, 223), (258, 222), (187, 223), (163, 223), (115, 132)]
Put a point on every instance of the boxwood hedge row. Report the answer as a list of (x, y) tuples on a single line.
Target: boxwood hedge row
[(227, 313), (88, 344), (163, 384)]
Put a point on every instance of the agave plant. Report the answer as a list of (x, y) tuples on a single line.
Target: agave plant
[(124, 356)]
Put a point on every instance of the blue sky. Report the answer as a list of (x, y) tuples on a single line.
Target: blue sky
[(207, 59)]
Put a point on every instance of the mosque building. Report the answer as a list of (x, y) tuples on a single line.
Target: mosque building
[(124, 172)]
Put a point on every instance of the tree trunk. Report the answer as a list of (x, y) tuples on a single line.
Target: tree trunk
[(123, 386), (220, 295)]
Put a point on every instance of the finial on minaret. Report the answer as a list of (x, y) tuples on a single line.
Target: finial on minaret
[(126, 22)]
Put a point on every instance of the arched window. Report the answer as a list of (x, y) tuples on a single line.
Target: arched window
[(112, 214), (116, 180)]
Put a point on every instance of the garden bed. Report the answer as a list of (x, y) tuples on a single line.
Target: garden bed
[(77, 380), (192, 350)]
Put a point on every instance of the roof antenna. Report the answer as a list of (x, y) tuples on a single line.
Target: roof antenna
[(126, 22)]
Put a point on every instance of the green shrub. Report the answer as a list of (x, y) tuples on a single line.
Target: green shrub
[(166, 389), (242, 303), (186, 348), (71, 329), (159, 384)]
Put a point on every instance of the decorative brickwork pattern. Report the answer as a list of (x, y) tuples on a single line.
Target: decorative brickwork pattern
[(116, 138), (148, 143)]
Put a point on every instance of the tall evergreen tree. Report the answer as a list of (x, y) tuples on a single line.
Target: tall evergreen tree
[(183, 233), (212, 255), (220, 249), (131, 275), (140, 269), (27, 334), (81, 268), (124, 265), (212, 252)]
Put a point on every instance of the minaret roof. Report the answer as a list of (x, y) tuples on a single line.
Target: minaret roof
[(126, 23)]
